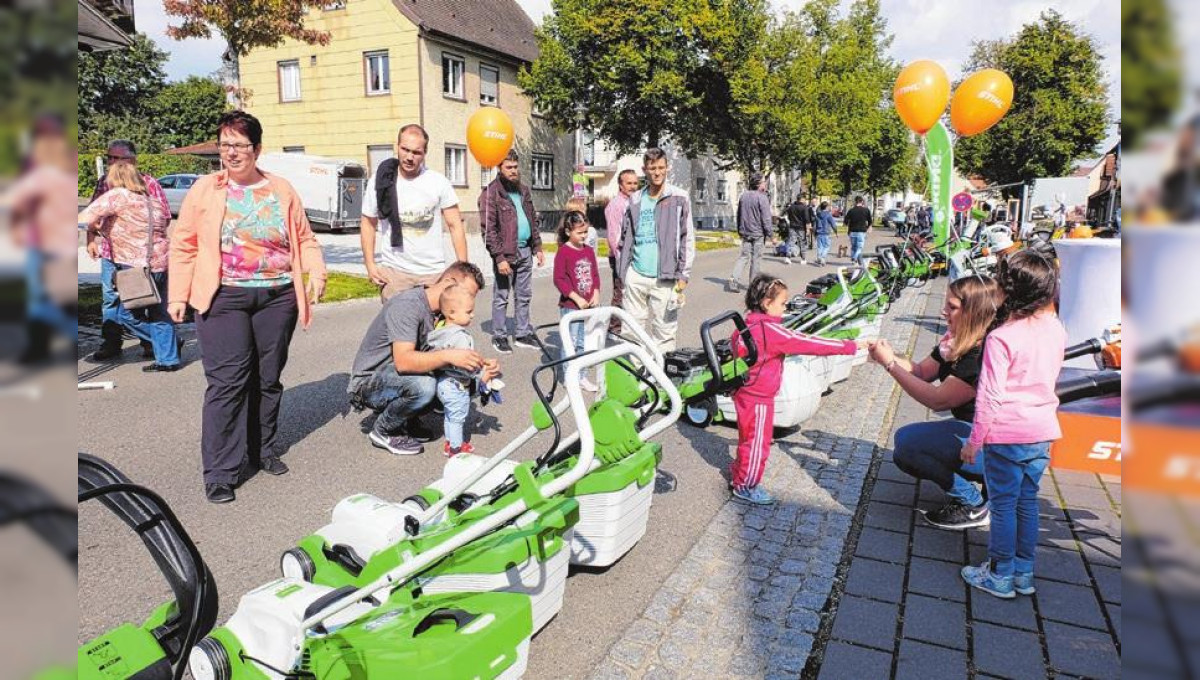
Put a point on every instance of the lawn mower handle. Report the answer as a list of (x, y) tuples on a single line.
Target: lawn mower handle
[(710, 347)]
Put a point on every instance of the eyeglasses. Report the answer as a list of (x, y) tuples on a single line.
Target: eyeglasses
[(228, 147)]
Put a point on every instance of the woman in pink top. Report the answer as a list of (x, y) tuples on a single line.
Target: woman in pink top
[(1016, 419)]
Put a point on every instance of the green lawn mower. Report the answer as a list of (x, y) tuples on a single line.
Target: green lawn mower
[(438, 601), (156, 648)]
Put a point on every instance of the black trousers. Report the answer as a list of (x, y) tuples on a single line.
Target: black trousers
[(244, 338), (618, 294)]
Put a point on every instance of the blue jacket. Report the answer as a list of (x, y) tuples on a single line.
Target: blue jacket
[(825, 223)]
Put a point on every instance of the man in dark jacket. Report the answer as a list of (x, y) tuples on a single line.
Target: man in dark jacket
[(754, 226), (800, 222), (858, 222), (510, 232)]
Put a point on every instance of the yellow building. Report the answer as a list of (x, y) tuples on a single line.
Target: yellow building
[(389, 63)]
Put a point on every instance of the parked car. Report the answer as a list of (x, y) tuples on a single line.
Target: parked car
[(894, 219), (176, 187)]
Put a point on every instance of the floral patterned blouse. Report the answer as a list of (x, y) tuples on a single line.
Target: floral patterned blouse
[(254, 240), (122, 219)]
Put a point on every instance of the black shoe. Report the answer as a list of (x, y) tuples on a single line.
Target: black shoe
[(527, 341), (958, 515), (500, 344), (147, 349), (219, 493), (160, 368), (273, 466), (107, 352)]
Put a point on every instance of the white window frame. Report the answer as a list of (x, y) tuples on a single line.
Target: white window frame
[(541, 172), (701, 187), (722, 191), (382, 57), (456, 164), (333, 6), (280, 68), (486, 175), (496, 98), (450, 64)]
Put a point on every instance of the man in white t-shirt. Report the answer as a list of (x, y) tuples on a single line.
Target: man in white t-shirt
[(408, 208)]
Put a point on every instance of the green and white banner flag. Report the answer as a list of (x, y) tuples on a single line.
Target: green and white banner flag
[(939, 157)]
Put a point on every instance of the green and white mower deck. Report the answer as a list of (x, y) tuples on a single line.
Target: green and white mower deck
[(476, 561)]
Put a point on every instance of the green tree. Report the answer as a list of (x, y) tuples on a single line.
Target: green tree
[(244, 24), (890, 158), (1150, 66), (137, 128), (187, 111), (121, 82), (1059, 110), (637, 69)]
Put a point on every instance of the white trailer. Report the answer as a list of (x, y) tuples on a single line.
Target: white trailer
[(331, 189)]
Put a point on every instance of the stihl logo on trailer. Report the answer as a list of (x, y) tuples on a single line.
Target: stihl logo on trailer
[(1102, 450)]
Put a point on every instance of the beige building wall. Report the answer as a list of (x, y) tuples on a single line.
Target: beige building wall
[(446, 120), (334, 115)]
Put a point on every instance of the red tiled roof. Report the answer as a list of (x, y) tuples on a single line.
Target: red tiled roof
[(498, 25), (208, 148)]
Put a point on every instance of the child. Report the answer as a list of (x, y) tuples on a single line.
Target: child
[(766, 300), (577, 277), (454, 384), (1016, 419)]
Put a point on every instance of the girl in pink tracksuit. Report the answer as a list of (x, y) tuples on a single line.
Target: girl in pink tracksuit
[(766, 300)]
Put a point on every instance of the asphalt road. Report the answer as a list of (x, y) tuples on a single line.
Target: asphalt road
[(149, 426)]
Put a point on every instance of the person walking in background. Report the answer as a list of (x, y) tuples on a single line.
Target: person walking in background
[(858, 222), (1016, 419), (409, 208), (754, 226), (766, 301), (119, 151), (239, 254), (825, 229), (577, 278), (627, 183), (133, 225), (799, 217), (511, 234), (658, 246)]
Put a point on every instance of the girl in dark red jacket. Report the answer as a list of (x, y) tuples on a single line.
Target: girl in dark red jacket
[(766, 300)]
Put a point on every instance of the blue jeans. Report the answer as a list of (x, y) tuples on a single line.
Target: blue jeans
[(1013, 473), (152, 324), (931, 451), (857, 240), (109, 300), (456, 401), (576, 345), (396, 397), (824, 241), (39, 306)]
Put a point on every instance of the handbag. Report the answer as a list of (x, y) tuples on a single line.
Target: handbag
[(135, 285)]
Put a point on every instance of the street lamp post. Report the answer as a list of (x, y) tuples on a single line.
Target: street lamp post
[(577, 177)]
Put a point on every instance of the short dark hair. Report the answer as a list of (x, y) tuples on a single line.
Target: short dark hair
[(626, 171), (242, 123), (652, 154), (824, 205), (764, 287), (756, 180), (464, 270), (125, 145), (413, 126), (859, 199), (513, 156)]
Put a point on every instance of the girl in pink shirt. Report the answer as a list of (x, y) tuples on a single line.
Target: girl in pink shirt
[(1016, 419)]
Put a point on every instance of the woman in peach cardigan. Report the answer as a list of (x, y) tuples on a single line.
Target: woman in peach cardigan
[(239, 253)]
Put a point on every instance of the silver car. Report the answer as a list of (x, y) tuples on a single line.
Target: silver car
[(176, 187)]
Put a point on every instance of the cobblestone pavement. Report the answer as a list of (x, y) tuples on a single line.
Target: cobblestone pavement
[(902, 611), (751, 597)]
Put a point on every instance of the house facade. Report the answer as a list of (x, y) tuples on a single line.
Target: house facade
[(392, 63)]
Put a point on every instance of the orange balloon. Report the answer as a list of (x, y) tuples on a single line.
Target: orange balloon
[(920, 93), (981, 101), (489, 136)]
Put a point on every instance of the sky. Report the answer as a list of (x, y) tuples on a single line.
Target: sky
[(942, 30)]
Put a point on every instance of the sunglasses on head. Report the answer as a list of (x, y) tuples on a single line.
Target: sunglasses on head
[(576, 217)]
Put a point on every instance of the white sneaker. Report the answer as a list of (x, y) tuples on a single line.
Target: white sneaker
[(787, 260), (587, 385), (803, 262)]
